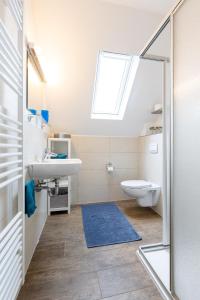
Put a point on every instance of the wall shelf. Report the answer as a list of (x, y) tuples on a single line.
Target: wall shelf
[(61, 202), (150, 134), (67, 140), (157, 111)]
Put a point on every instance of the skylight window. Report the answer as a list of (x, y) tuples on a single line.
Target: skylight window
[(113, 85)]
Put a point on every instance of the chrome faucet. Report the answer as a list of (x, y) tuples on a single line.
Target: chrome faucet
[(47, 154)]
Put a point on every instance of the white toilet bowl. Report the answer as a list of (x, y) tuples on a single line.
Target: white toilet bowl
[(146, 193)]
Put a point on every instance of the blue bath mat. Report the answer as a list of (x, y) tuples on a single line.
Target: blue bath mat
[(104, 224)]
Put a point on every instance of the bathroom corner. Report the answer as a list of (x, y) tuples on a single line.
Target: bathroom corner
[(34, 135), (151, 164)]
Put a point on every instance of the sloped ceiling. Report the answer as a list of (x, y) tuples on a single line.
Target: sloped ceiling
[(146, 92), (155, 6), (70, 35)]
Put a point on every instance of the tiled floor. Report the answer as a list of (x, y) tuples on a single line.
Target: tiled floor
[(64, 269)]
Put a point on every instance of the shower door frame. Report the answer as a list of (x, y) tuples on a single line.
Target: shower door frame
[(167, 294), (165, 244)]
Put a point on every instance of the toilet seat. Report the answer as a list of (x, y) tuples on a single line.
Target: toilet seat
[(136, 184), (146, 193)]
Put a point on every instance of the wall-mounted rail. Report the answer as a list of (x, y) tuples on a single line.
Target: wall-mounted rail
[(10, 163), (15, 7), (7, 118), (11, 151), (11, 243), (11, 137), (10, 154), (10, 61)]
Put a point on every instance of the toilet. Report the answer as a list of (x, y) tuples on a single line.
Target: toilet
[(146, 193)]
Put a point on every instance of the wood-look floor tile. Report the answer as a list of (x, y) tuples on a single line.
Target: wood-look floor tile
[(52, 251), (144, 294), (112, 258), (63, 285), (63, 268), (79, 264), (123, 279)]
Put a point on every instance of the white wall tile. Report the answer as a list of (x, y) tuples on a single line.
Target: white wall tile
[(74, 146), (94, 161), (75, 196), (93, 177), (120, 144), (90, 144), (124, 160), (141, 144), (116, 193), (93, 183), (92, 194), (120, 175), (74, 181)]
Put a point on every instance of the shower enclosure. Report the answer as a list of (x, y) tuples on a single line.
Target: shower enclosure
[(157, 257), (174, 264)]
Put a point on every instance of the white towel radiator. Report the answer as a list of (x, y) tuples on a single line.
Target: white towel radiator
[(11, 148), (11, 250)]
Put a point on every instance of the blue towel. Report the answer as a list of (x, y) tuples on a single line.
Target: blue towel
[(30, 206), (33, 111), (45, 115), (59, 156)]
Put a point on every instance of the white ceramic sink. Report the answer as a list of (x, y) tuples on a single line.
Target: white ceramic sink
[(55, 168)]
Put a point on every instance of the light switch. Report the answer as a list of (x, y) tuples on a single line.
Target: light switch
[(153, 148)]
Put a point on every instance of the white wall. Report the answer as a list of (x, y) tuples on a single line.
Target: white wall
[(29, 21), (35, 141), (131, 160), (186, 186), (70, 34), (36, 88), (93, 183), (150, 165)]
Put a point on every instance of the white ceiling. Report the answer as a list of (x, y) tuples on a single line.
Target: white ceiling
[(155, 6), (70, 56)]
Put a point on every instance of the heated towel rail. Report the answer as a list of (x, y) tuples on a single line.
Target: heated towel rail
[(11, 246), (11, 149)]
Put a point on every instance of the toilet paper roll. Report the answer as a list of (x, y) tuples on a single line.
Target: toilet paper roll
[(110, 168), (158, 106)]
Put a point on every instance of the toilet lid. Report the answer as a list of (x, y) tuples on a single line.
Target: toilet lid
[(139, 184)]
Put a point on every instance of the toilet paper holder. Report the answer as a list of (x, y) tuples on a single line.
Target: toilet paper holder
[(110, 167)]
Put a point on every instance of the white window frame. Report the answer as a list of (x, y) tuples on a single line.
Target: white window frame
[(125, 88)]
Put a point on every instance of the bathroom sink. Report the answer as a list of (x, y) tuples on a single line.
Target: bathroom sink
[(55, 168)]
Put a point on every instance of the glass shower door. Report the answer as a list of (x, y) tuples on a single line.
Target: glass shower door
[(157, 257), (186, 162)]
